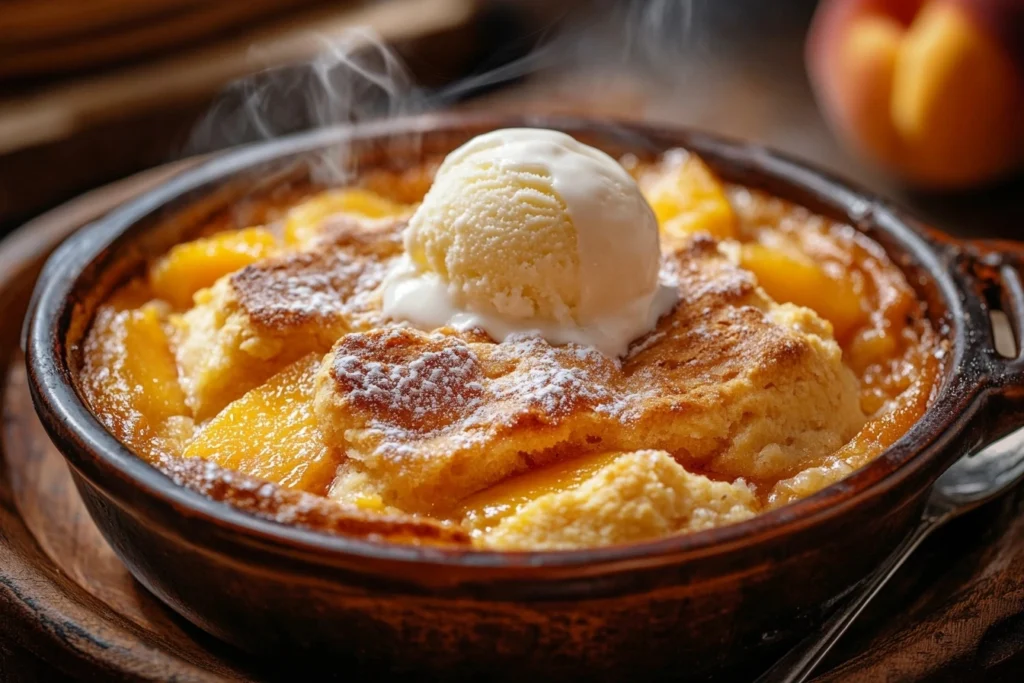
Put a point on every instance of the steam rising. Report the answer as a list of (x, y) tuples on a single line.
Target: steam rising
[(357, 77), (353, 78)]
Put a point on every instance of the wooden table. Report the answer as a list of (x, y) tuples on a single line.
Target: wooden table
[(955, 612)]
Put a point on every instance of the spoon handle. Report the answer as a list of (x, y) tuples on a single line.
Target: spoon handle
[(797, 665)]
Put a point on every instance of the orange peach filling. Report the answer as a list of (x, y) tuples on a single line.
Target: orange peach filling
[(135, 376), (485, 509), (191, 266), (271, 433)]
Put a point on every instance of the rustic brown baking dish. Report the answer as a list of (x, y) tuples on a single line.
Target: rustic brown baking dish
[(677, 607)]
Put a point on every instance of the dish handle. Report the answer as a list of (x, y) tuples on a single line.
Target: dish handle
[(993, 272)]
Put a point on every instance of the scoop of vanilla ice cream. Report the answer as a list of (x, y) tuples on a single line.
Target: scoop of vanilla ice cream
[(529, 230)]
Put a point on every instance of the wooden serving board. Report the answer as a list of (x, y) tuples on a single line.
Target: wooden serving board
[(70, 611)]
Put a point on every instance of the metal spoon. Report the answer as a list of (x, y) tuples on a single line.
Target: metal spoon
[(969, 483)]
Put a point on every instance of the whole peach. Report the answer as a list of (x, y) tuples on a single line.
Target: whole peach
[(931, 89)]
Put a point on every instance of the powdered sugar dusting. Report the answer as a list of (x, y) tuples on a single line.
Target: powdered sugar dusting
[(547, 379), (410, 387), (306, 287), (433, 382), (408, 382)]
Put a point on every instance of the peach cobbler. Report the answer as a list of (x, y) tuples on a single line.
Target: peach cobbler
[(526, 345)]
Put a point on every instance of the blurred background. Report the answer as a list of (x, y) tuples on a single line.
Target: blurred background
[(922, 101)]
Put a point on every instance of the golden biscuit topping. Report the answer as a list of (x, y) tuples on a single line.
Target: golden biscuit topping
[(304, 289), (413, 383), (795, 353), (724, 376)]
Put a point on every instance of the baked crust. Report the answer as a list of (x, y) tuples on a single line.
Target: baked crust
[(254, 322), (298, 508), (733, 404), (729, 381), (638, 496)]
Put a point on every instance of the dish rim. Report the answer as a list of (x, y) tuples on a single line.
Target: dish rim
[(62, 409)]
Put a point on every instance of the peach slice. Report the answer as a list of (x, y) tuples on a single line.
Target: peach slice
[(689, 198), (485, 509), (132, 376), (304, 221), (194, 265), (271, 433), (794, 278)]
